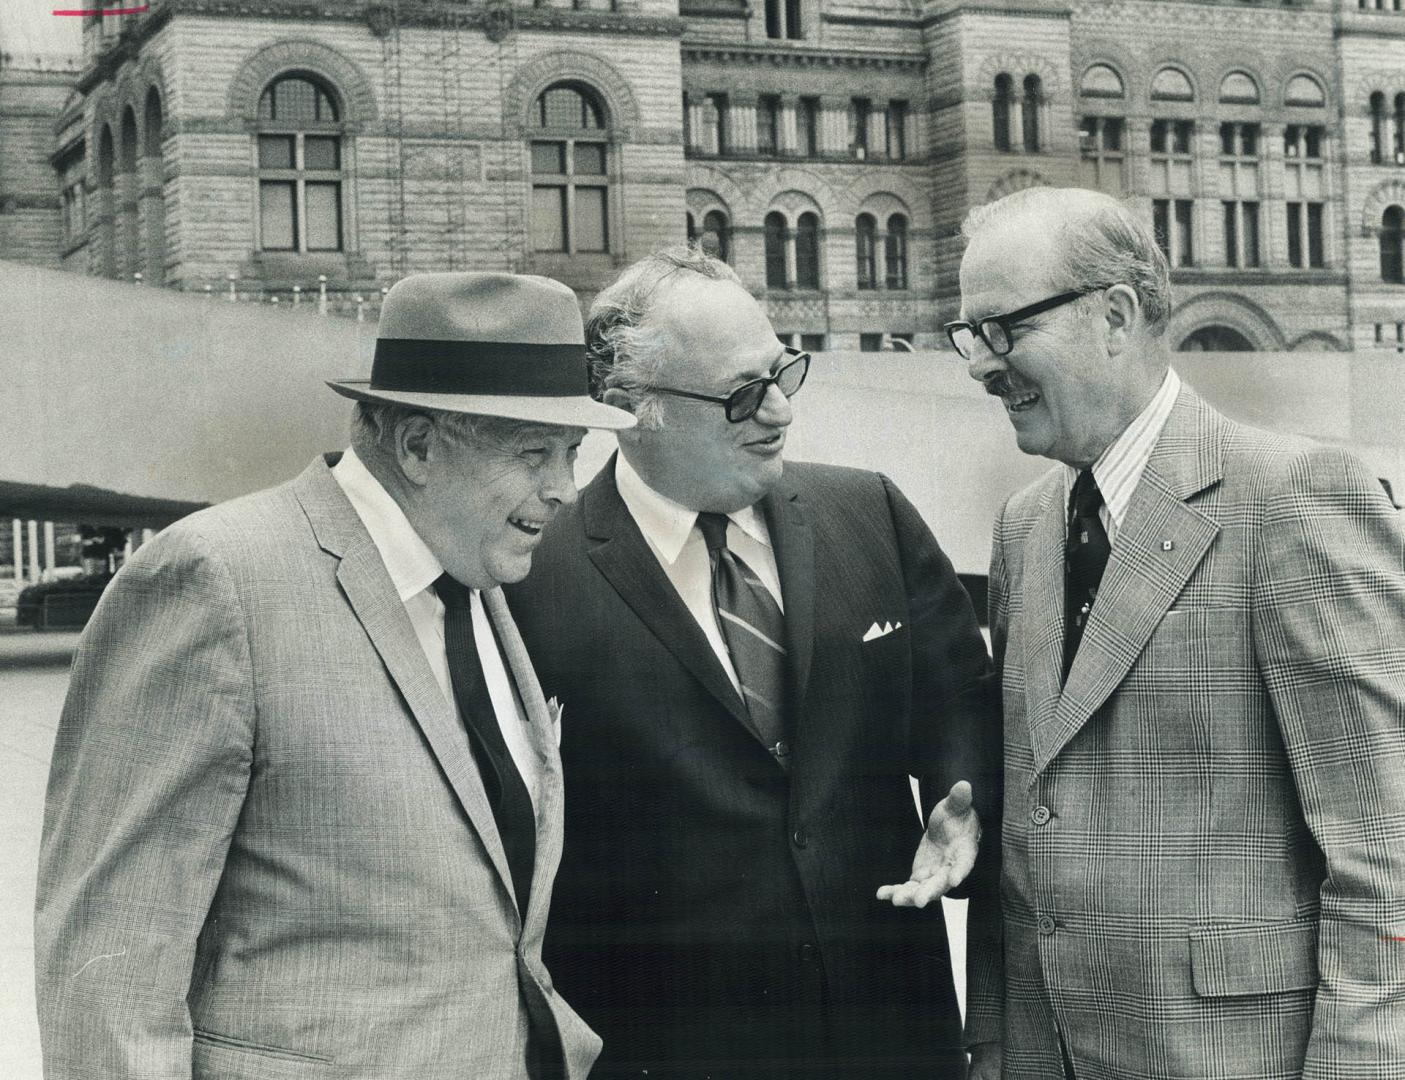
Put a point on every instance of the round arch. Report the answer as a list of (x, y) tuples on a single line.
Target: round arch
[(344, 78), (1230, 311), (1382, 196), (1215, 337), (1017, 66), (601, 78), (1014, 180)]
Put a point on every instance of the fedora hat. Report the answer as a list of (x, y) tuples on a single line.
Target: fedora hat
[(507, 345)]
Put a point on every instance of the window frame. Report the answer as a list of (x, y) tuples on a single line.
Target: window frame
[(571, 181), (300, 176)]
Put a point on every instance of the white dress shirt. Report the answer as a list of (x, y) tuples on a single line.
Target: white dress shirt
[(668, 527), (413, 570), (1119, 468)]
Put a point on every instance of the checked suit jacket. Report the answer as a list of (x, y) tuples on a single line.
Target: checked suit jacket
[(268, 854), (1204, 829), (714, 916)]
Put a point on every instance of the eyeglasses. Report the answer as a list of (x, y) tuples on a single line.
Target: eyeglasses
[(994, 330), (745, 401)]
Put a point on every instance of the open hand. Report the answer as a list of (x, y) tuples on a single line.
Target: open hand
[(946, 853)]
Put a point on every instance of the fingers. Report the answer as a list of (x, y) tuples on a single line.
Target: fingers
[(916, 894)]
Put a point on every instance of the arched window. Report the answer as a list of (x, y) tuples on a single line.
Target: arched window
[(1171, 84), (570, 178), (129, 183), (1030, 112), (1001, 109), (153, 205), (1101, 81), (774, 236), (895, 253), (717, 235), (866, 249), (1392, 235), (1378, 133), (807, 251), (1216, 339), (107, 173), (1400, 129), (300, 166), (692, 227), (1305, 91), (1238, 88)]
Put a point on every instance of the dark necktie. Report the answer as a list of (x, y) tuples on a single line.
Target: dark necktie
[(1085, 558), (753, 628), (507, 794)]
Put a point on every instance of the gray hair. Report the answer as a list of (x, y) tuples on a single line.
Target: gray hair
[(373, 426), (622, 350), (1103, 242)]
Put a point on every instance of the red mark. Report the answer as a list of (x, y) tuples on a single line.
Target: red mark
[(104, 11), (1392, 938)]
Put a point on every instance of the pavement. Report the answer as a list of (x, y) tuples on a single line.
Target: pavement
[(33, 681)]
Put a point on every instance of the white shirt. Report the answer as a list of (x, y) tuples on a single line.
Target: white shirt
[(413, 569), (668, 528), (1119, 468)]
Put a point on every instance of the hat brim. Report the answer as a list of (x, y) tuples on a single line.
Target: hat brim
[(579, 411)]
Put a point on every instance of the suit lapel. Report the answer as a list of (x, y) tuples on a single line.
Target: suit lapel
[(541, 734), (623, 556), (1044, 604), (1161, 543), (368, 589), (793, 539)]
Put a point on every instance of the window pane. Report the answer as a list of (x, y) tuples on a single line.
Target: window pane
[(1185, 256), (320, 152), (1158, 136), (812, 342), (807, 252), (1160, 221), (590, 219), (1182, 134), (275, 151), (1249, 137), (549, 158), (1251, 234), (1295, 234), (277, 216), (590, 159), (549, 219), (1231, 236), (323, 217), (1112, 133), (296, 101), (563, 107), (870, 342), (1314, 234), (774, 244), (1227, 139)]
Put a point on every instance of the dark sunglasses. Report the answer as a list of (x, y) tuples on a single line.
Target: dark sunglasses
[(744, 402), (994, 330)]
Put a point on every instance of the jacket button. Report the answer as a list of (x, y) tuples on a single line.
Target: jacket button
[(800, 837), (1040, 815), (1046, 924), (809, 952)]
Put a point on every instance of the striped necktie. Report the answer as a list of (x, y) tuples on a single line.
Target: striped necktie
[(507, 793), (753, 627)]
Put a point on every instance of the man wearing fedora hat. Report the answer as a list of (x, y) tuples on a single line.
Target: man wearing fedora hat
[(304, 811)]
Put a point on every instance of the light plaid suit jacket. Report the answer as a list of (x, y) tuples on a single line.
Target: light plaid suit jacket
[(267, 851), (1213, 890)]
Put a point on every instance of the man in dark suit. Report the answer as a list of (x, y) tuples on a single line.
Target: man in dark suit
[(752, 657)]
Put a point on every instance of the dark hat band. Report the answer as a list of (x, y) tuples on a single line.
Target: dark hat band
[(418, 365)]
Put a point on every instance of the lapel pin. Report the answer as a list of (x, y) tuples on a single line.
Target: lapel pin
[(1167, 545)]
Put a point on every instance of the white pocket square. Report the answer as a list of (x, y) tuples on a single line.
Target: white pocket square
[(876, 631)]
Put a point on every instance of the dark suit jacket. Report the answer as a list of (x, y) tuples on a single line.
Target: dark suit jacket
[(713, 915)]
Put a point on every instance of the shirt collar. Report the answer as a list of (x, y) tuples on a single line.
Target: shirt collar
[(411, 565), (1119, 468), (667, 524)]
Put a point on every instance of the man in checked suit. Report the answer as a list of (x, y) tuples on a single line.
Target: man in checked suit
[(752, 656), (305, 803), (1201, 633)]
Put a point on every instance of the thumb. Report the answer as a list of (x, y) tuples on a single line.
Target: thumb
[(958, 800)]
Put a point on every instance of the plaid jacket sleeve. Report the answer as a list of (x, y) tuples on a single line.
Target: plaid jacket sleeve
[(148, 777), (1328, 611)]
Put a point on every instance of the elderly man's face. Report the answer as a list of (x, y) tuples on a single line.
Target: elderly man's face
[(716, 338), (486, 500), (1061, 390)]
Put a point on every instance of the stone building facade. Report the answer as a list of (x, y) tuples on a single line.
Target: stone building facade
[(829, 148)]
